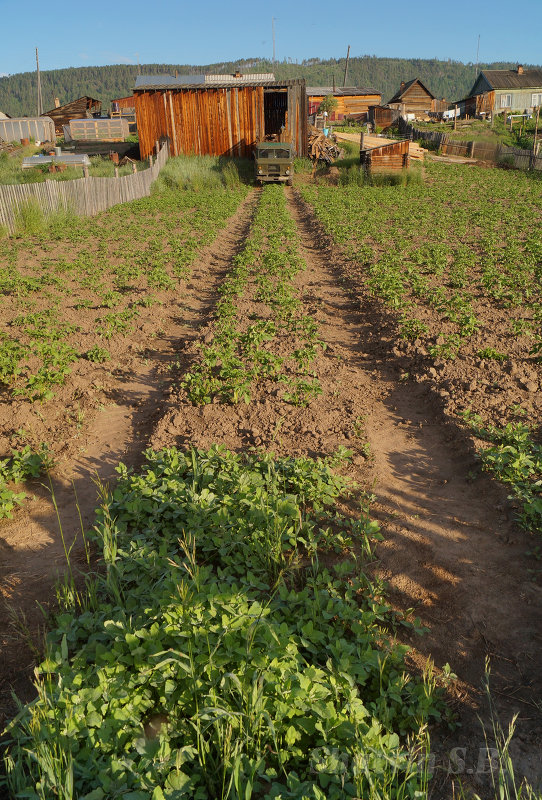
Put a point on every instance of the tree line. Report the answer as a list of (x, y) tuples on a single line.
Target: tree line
[(445, 79)]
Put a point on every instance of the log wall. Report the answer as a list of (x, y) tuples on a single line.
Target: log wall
[(386, 157), (354, 105)]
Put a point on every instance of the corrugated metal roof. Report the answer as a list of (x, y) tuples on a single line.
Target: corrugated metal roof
[(225, 85), (342, 91), (512, 79), (171, 81), (70, 159)]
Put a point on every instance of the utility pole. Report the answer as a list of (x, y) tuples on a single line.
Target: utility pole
[(40, 104), (346, 66), (273, 26), (477, 56)]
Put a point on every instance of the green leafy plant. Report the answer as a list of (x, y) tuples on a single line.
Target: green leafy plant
[(232, 665), (98, 354)]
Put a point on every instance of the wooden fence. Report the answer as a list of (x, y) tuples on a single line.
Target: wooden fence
[(482, 151), (83, 196)]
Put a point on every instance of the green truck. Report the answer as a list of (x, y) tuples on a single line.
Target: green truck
[(274, 162)]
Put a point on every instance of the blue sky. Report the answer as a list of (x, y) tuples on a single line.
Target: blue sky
[(172, 31)]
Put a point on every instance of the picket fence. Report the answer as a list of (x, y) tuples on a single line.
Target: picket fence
[(482, 151), (83, 196)]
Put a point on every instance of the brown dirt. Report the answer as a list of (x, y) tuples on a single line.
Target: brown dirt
[(451, 551), (31, 549)]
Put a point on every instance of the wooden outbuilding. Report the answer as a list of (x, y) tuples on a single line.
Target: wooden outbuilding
[(352, 101), (123, 107), (219, 114), (386, 157), (77, 109), (383, 117), (413, 97)]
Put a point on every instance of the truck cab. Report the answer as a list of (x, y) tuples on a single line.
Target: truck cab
[(274, 162)]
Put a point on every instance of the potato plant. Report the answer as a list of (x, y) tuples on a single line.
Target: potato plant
[(215, 656), (457, 260), (104, 272), (282, 342)]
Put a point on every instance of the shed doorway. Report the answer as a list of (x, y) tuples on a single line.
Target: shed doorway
[(275, 104)]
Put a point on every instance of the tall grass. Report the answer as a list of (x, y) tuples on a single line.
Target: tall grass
[(203, 172), (31, 221), (355, 175)]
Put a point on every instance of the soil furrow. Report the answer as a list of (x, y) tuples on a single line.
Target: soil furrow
[(450, 551), (31, 547)]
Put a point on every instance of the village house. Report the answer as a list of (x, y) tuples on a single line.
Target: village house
[(83, 107), (352, 101), (413, 97), (219, 114), (502, 90)]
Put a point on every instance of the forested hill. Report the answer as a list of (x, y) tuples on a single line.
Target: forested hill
[(449, 79)]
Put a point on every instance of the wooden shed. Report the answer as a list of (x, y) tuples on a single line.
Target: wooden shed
[(415, 98), (123, 107), (77, 109), (219, 114), (389, 156), (352, 101), (383, 117)]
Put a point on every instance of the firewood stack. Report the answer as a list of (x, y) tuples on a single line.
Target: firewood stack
[(322, 148)]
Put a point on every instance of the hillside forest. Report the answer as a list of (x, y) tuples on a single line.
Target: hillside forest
[(448, 79)]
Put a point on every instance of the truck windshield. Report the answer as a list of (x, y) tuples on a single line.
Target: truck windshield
[(273, 153)]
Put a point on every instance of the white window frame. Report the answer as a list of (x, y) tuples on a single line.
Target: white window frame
[(536, 99), (506, 101)]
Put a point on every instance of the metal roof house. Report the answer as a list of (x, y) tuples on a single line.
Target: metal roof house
[(352, 101), (219, 114), (497, 90)]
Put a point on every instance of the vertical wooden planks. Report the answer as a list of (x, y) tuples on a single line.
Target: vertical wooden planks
[(84, 196)]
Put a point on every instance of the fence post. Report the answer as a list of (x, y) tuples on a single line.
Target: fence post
[(85, 171), (116, 172), (535, 147), (150, 162), (470, 149), (157, 146), (134, 167)]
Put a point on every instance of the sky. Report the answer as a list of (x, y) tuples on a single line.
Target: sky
[(175, 31)]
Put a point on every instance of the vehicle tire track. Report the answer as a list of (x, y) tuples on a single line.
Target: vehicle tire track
[(31, 548), (449, 550)]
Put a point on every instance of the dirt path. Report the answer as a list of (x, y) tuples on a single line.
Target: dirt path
[(31, 548), (450, 552)]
